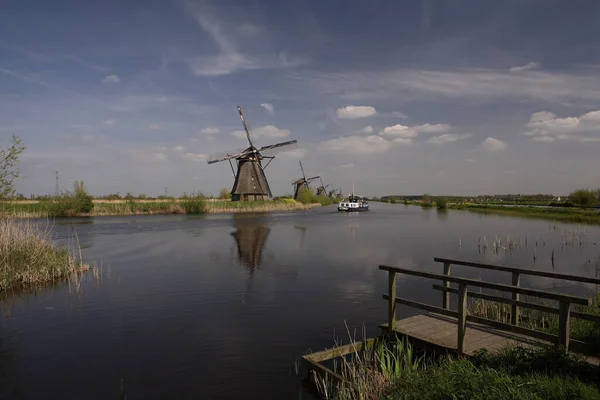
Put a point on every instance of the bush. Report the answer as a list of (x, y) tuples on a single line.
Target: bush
[(194, 203), (441, 203), (584, 197), (71, 204), (224, 194)]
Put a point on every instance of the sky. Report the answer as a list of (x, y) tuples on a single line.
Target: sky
[(398, 97)]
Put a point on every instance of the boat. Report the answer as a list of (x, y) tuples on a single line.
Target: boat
[(354, 203)]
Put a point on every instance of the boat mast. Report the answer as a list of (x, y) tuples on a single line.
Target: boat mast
[(352, 188)]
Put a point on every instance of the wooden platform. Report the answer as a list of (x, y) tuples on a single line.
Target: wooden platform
[(438, 332)]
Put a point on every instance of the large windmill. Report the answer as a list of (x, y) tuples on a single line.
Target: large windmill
[(321, 190), (302, 182), (250, 180)]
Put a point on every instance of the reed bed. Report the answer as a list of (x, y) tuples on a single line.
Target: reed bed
[(565, 214), (29, 256), (190, 205)]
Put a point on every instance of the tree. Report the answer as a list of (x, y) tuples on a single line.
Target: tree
[(8, 167), (224, 194), (584, 197), (84, 202)]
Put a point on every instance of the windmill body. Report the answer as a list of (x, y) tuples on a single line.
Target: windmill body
[(302, 182), (250, 182)]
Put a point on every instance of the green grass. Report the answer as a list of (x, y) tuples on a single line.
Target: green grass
[(393, 370), (28, 256), (567, 214)]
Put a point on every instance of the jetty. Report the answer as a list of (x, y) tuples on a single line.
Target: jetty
[(455, 331)]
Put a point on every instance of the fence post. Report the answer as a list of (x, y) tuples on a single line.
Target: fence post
[(514, 313), (446, 294), (462, 317), (391, 301), (564, 321)]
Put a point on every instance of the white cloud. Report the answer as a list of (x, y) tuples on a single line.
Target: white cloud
[(111, 79), (209, 130), (403, 131), (347, 166), (355, 112), (110, 121), (492, 145), (148, 155), (545, 126), (194, 157), (294, 153), (367, 129), (268, 131), (356, 145), (526, 67), (470, 160), (154, 127), (399, 114), (448, 138), (230, 59), (268, 107), (179, 148)]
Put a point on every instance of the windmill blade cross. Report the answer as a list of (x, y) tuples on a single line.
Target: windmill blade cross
[(273, 149), (245, 126), (226, 155)]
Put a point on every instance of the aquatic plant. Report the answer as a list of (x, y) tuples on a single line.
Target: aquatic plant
[(29, 256)]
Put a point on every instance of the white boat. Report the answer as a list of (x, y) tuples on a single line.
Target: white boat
[(354, 203)]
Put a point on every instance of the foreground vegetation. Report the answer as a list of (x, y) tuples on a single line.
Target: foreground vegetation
[(28, 256), (393, 370)]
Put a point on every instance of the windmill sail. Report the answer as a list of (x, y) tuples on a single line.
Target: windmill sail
[(223, 156), (273, 149)]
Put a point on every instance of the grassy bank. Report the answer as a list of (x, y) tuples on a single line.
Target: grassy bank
[(394, 371), (565, 214), (191, 205), (28, 256)]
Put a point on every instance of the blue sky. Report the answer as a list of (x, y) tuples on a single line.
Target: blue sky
[(423, 96)]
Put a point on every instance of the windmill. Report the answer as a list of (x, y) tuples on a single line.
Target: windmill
[(332, 193), (321, 190), (302, 182), (250, 180)]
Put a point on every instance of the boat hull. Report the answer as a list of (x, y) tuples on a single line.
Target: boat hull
[(353, 209)]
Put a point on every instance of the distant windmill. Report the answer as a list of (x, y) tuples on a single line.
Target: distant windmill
[(332, 194), (250, 179), (302, 182), (321, 190)]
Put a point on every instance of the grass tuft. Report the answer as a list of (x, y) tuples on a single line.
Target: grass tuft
[(29, 256)]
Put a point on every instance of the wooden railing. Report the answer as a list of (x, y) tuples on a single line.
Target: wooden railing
[(564, 310)]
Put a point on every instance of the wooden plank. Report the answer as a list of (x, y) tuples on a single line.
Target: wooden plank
[(512, 328), (524, 271), (504, 300), (462, 317), (340, 351), (423, 306), (564, 322), (514, 310), (391, 302), (489, 285), (587, 317), (446, 295), (324, 370)]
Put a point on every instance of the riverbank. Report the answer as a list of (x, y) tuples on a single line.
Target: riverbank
[(394, 370), (565, 214), (31, 209), (29, 256)]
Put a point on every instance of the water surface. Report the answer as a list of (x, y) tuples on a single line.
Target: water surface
[(221, 306)]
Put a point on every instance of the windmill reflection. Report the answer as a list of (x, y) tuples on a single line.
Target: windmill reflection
[(250, 236)]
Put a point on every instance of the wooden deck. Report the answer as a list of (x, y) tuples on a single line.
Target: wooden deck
[(439, 332)]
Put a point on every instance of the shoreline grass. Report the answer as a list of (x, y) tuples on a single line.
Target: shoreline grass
[(392, 369), (190, 205), (564, 214), (29, 256)]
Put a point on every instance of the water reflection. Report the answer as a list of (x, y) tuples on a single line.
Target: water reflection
[(302, 230), (442, 215), (250, 237)]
